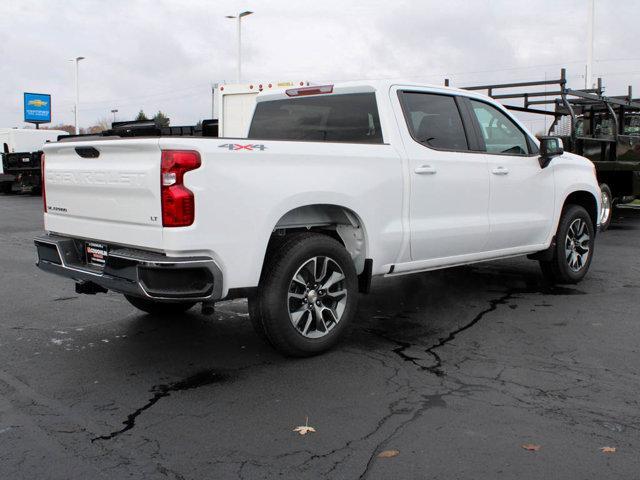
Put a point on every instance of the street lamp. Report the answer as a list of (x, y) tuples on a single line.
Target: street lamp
[(239, 17), (77, 60), (588, 74), (114, 111)]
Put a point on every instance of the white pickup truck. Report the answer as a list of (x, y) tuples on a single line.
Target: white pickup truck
[(334, 184)]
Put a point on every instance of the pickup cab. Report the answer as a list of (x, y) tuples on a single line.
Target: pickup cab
[(333, 185)]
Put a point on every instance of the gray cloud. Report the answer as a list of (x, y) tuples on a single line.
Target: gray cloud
[(166, 54)]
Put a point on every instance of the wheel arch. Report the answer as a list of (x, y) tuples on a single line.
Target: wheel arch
[(334, 220), (586, 200)]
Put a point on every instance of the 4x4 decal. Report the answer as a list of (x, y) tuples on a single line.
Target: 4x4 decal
[(239, 146)]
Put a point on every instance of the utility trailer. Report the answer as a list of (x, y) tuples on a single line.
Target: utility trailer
[(604, 129), (21, 156), (148, 128)]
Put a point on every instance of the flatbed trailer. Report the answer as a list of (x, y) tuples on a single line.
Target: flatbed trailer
[(604, 129), (21, 172), (20, 158)]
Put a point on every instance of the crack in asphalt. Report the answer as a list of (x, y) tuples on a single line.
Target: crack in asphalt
[(63, 299), (493, 305), (428, 402), (200, 379), (436, 368)]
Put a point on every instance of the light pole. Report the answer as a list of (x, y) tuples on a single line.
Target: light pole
[(239, 17), (75, 110), (588, 76), (114, 111)]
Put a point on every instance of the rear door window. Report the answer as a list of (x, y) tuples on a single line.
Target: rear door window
[(349, 117), (434, 120)]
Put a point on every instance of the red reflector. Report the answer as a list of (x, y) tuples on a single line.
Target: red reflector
[(221, 88), (178, 203), (299, 92), (44, 191)]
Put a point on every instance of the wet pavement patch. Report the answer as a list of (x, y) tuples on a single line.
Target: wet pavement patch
[(200, 379), (531, 287)]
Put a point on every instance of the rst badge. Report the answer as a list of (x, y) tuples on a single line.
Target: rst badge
[(240, 146)]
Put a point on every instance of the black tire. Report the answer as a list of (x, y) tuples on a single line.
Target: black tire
[(559, 270), (607, 196), (270, 306), (159, 309), (5, 187), (255, 315)]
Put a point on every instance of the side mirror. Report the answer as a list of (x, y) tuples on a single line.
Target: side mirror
[(550, 147)]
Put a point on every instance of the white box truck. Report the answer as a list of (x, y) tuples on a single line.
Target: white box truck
[(233, 104)]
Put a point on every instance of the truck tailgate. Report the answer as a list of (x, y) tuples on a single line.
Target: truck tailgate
[(106, 190)]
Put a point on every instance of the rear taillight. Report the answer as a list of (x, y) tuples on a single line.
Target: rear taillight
[(178, 205), (42, 184)]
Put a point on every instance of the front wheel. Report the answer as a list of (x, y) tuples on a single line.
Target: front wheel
[(606, 211), (573, 251), (307, 295), (160, 309)]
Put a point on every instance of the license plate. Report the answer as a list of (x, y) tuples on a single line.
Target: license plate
[(96, 254)]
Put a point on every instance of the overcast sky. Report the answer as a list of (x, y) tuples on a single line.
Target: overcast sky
[(164, 55)]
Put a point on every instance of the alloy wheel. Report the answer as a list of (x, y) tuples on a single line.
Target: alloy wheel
[(577, 245), (317, 297)]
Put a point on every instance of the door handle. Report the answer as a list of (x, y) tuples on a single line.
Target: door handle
[(425, 170), (500, 171)]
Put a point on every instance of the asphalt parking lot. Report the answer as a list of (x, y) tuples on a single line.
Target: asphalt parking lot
[(453, 370)]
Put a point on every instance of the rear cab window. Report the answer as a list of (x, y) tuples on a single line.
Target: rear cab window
[(348, 117), (434, 120)]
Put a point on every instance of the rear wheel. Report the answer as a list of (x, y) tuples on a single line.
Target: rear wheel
[(160, 309), (574, 247), (606, 210), (307, 295), (5, 187)]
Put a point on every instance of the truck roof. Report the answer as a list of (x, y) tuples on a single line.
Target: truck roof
[(361, 86)]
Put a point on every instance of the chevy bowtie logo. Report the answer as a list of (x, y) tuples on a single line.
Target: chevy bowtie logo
[(37, 103)]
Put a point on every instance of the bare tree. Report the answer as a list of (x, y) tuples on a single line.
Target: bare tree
[(70, 129), (100, 126)]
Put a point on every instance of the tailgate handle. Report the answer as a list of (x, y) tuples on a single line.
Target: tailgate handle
[(87, 152)]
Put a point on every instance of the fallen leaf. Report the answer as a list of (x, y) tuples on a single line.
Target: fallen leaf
[(608, 449), (304, 429), (388, 454), (531, 447)]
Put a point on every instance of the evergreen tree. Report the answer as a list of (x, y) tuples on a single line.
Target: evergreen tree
[(141, 116), (161, 119)]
